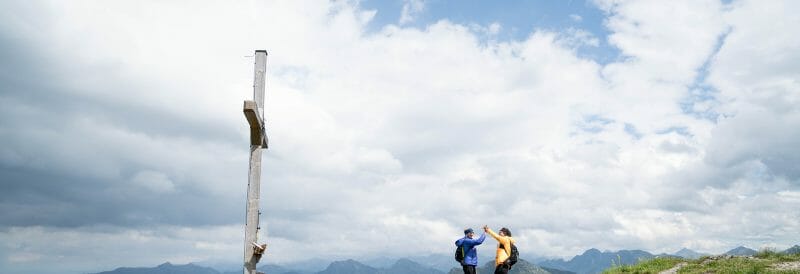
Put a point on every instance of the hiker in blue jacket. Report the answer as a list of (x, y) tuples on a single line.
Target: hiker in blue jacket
[(470, 252)]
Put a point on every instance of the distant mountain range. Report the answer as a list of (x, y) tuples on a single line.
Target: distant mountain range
[(595, 261), (591, 261), (165, 268), (522, 267), (402, 266)]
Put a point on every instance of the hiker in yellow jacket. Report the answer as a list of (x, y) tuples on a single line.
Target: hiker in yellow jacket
[(504, 241)]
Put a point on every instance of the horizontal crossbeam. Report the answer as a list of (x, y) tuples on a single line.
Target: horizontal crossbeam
[(258, 136)]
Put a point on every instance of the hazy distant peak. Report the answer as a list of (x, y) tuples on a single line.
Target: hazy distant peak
[(405, 262), (793, 250), (592, 251), (688, 253), (741, 251)]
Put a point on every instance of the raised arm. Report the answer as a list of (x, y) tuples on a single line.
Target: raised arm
[(477, 241), (500, 239), (494, 235)]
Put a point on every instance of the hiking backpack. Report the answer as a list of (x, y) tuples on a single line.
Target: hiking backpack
[(513, 257), (460, 253)]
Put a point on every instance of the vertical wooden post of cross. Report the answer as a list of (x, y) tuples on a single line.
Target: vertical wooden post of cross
[(254, 112)]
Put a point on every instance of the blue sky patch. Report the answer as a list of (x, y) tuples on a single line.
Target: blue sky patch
[(518, 19)]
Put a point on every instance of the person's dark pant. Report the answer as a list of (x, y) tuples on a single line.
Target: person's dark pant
[(501, 269), (469, 269)]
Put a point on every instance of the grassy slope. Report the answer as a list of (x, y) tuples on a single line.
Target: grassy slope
[(758, 264)]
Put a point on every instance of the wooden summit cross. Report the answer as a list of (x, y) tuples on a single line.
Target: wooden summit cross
[(254, 112)]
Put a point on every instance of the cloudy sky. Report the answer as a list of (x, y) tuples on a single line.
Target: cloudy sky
[(393, 125)]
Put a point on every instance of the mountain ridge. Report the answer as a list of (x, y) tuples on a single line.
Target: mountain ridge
[(590, 261), (793, 250), (165, 268), (689, 254), (741, 251), (522, 267), (595, 261)]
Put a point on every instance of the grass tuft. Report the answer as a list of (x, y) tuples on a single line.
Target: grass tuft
[(763, 262), (654, 265)]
